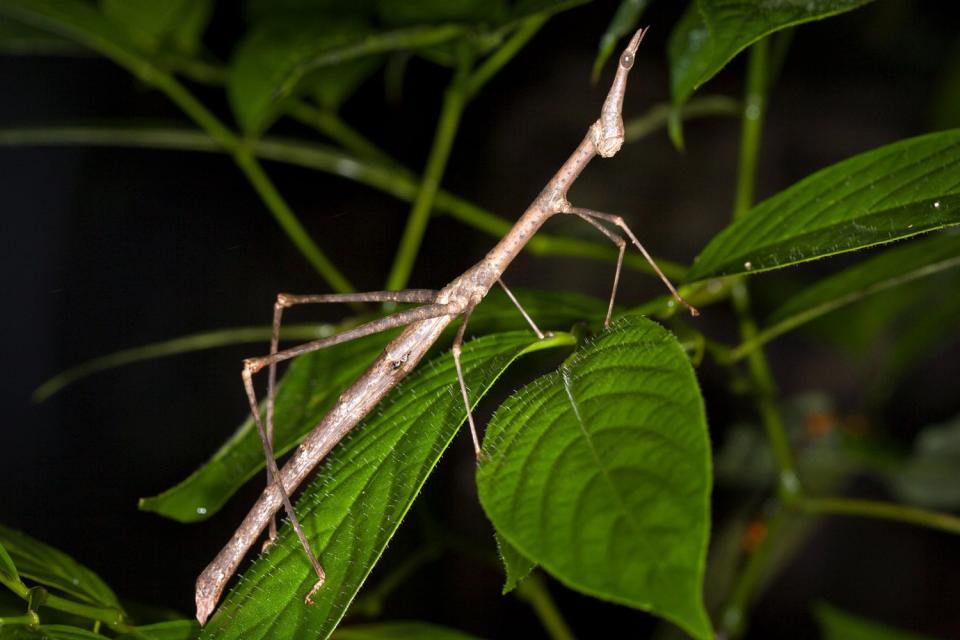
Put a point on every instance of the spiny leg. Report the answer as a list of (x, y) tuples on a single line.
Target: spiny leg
[(621, 245), (619, 221), (253, 365), (286, 300), (523, 312), (457, 345)]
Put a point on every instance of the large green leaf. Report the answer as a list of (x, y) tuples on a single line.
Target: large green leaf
[(360, 494), (897, 266), (51, 567), (281, 56), (896, 191), (400, 631), (712, 32), (600, 473), (175, 25), (312, 384), (839, 625), (274, 48)]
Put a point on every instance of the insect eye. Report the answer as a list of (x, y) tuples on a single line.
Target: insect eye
[(626, 60)]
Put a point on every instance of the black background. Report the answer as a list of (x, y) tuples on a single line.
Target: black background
[(105, 249)]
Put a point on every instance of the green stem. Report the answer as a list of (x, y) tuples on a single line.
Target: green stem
[(454, 102), (754, 107), (765, 393), (332, 125), (534, 591), (732, 620), (196, 111), (527, 29), (29, 619), (881, 510), (289, 222), (395, 181), (733, 617), (765, 388), (658, 116), (176, 346), (111, 617)]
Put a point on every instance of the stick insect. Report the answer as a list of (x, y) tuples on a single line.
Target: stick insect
[(424, 324)]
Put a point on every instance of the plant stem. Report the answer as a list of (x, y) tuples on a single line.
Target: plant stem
[(176, 346), (289, 223), (754, 108), (395, 181), (534, 591), (751, 128), (330, 124), (732, 620), (881, 510), (733, 617), (765, 392), (527, 29), (658, 115), (454, 102)]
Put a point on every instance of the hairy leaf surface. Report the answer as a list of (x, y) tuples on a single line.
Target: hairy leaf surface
[(896, 191), (312, 384), (600, 473), (53, 568), (360, 494), (712, 32), (516, 565)]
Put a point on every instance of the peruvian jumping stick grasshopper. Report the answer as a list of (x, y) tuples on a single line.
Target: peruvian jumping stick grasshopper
[(424, 325)]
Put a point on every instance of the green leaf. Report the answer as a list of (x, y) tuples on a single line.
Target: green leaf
[(48, 566), (405, 13), (600, 473), (175, 25), (400, 631), (897, 266), (8, 570), (839, 625), (516, 565), (272, 51), (360, 494), (894, 192), (279, 57), (624, 21), (313, 383), (712, 32), (170, 630), (80, 22)]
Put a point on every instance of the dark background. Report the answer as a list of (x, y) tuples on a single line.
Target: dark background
[(106, 249)]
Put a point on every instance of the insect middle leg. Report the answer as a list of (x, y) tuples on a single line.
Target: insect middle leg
[(287, 300), (253, 365), (592, 217)]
